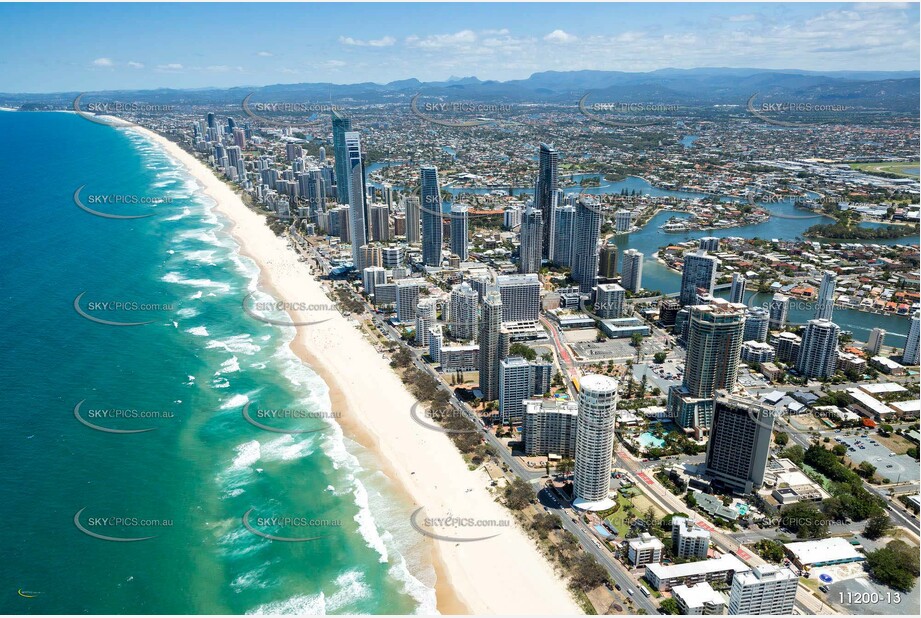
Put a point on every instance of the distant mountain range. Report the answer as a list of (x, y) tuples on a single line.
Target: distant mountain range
[(885, 90)]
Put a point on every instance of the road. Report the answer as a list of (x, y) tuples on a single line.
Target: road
[(554, 503)]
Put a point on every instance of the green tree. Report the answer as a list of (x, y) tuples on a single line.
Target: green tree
[(781, 439), (669, 606), (877, 527), (895, 565)]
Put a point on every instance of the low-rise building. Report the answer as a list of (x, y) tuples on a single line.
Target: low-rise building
[(644, 549), (834, 550), (720, 570), (699, 600)]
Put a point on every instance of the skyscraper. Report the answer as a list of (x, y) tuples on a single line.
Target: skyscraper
[(532, 230), (463, 305), (516, 383), (875, 341), (778, 311), (740, 440), (910, 353), (585, 247), (825, 302), (632, 270), (520, 297), (714, 345), (609, 301), (737, 290), (341, 126), (563, 231), (545, 193), (607, 261), (594, 442), (407, 299), (459, 231), (818, 354), (491, 345), (426, 312), (699, 276), (413, 220), (358, 219), (756, 324), (766, 590), (623, 221), (430, 197), (380, 222)]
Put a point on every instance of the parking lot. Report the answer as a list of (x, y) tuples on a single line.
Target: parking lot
[(664, 375), (897, 468), (862, 596)]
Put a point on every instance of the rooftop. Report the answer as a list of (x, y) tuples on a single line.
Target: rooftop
[(826, 550), (727, 562), (699, 595)]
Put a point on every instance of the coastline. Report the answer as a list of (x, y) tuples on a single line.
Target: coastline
[(374, 406)]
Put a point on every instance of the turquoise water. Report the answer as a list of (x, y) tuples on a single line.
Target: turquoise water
[(200, 359), (648, 440)]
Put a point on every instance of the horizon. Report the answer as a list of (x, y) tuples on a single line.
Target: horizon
[(157, 46)]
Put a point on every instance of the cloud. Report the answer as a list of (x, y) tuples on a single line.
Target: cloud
[(441, 41), (135, 65), (170, 67), (560, 36), (386, 41), (265, 54), (103, 62)]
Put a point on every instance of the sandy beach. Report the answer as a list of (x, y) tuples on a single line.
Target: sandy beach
[(502, 575)]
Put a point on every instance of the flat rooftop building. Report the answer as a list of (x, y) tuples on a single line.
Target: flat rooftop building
[(834, 550)]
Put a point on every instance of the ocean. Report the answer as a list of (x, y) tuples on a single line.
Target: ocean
[(184, 376)]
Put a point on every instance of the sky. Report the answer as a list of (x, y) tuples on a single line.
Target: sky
[(85, 47)]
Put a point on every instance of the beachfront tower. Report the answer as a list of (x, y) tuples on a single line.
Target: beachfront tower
[(910, 354), (740, 441), (491, 344), (594, 442), (818, 353), (358, 216)]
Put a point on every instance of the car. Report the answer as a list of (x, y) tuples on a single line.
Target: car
[(824, 589), (888, 465), (837, 431), (630, 591), (617, 586)]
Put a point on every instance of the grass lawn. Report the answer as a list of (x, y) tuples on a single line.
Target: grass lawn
[(888, 167)]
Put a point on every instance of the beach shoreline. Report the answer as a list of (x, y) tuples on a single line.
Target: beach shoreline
[(374, 407)]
